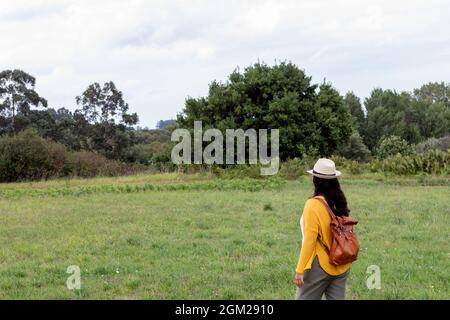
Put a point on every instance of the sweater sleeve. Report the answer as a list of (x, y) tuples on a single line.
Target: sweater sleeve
[(311, 230)]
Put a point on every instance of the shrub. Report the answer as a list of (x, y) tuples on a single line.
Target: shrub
[(355, 149), (141, 153), (393, 145), (161, 157), (154, 152), (84, 164), (375, 165), (435, 161), (433, 143), (88, 164), (58, 156), (341, 162), (27, 156), (292, 169), (432, 162), (355, 167)]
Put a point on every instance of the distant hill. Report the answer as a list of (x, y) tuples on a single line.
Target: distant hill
[(161, 124)]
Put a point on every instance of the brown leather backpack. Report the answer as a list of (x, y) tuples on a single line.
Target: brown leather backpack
[(344, 243)]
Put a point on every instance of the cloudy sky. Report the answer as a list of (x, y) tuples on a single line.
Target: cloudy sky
[(160, 52)]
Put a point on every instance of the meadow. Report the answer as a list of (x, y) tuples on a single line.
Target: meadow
[(175, 236)]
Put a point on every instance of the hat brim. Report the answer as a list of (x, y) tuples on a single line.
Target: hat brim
[(323, 176)]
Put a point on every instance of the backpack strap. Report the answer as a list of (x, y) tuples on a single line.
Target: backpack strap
[(332, 215)]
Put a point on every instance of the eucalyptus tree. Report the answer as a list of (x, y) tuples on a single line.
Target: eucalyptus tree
[(17, 96)]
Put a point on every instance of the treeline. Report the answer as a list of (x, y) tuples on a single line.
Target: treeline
[(100, 130), (28, 156), (314, 120), (404, 119)]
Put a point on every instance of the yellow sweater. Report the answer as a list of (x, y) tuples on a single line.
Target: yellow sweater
[(315, 222)]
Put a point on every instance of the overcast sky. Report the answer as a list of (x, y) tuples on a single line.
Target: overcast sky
[(160, 52)]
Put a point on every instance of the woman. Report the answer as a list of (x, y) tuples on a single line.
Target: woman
[(315, 276)]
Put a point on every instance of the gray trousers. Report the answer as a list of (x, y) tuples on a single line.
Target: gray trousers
[(317, 282)]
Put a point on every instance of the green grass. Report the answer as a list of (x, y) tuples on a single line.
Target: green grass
[(192, 237)]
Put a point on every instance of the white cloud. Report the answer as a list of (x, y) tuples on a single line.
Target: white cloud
[(205, 52), (264, 17), (160, 52)]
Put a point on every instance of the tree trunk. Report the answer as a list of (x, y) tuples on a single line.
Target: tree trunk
[(13, 123)]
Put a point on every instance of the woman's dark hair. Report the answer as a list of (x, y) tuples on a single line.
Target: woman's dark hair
[(331, 190)]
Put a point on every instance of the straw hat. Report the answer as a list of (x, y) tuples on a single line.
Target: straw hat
[(325, 169)]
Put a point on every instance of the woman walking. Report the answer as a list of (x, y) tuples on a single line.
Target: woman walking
[(315, 274)]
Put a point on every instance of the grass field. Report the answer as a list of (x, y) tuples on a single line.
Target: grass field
[(169, 236)]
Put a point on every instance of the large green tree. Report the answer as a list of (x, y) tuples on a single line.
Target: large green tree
[(105, 109), (17, 96), (101, 104), (434, 92), (60, 125), (412, 117), (431, 108), (353, 103), (310, 118), (387, 115), (431, 118)]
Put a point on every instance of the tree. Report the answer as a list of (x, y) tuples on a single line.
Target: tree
[(390, 146), (101, 107), (105, 104), (355, 149), (274, 97), (333, 120), (388, 113), (431, 108), (413, 117), (353, 103), (146, 136), (17, 95), (59, 125), (431, 118), (112, 141), (434, 92)]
